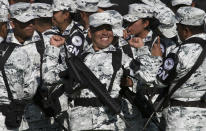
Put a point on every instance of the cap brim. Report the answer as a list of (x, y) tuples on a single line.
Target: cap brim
[(131, 18), (88, 10), (168, 32), (99, 24), (26, 18), (107, 5)]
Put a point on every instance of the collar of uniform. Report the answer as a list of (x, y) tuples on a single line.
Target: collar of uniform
[(201, 35), (148, 37), (79, 25), (68, 29), (108, 49), (122, 42), (85, 31), (12, 39)]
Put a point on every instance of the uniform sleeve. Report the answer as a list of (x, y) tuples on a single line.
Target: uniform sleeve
[(30, 76), (51, 66), (149, 65), (188, 55)]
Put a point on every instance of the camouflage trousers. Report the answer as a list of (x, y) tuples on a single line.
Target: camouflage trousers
[(91, 118), (185, 118)]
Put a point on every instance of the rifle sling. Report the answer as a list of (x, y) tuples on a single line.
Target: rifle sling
[(193, 69), (3, 60)]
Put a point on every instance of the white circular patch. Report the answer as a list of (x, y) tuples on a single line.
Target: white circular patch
[(169, 64), (76, 40)]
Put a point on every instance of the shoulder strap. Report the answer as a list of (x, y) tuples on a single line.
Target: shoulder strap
[(127, 50), (195, 40), (116, 63), (197, 64), (40, 49), (3, 60)]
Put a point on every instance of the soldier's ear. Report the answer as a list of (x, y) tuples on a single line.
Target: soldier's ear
[(186, 32), (146, 23)]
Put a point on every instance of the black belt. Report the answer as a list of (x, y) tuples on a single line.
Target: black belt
[(93, 102), (199, 104), (151, 90)]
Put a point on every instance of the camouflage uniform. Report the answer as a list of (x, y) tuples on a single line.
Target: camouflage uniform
[(136, 12), (181, 117), (36, 118), (21, 76)]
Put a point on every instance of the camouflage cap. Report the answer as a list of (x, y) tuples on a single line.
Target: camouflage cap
[(110, 17), (181, 2), (168, 31), (105, 4), (42, 9), (153, 2), (167, 21), (22, 12), (87, 5), (60, 5), (165, 15), (117, 22), (138, 11), (190, 16), (98, 19), (4, 5)]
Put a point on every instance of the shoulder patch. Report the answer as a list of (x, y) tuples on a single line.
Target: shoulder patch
[(77, 40), (169, 64), (167, 72)]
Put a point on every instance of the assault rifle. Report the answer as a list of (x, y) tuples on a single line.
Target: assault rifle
[(140, 101)]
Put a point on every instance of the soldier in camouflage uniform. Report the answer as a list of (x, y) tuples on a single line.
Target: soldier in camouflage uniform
[(185, 112), (100, 118), (184, 117), (69, 29), (86, 8), (17, 75), (36, 118)]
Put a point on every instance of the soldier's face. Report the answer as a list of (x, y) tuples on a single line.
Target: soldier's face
[(136, 28), (24, 30), (3, 28), (181, 32), (102, 37), (59, 18)]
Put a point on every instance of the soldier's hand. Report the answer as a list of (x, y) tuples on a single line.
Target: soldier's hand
[(126, 82), (136, 42), (57, 41), (156, 49)]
